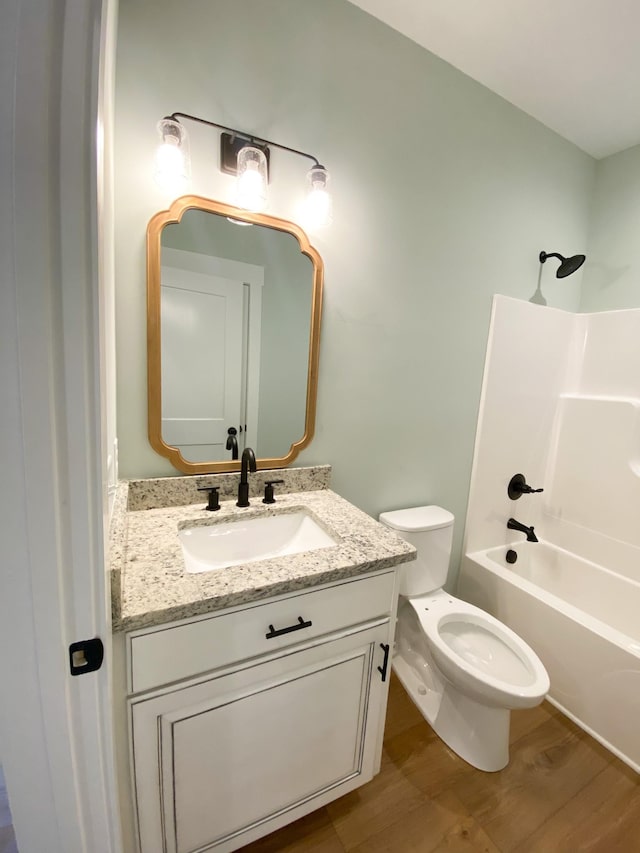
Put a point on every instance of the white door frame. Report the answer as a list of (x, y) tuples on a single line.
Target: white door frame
[(55, 730)]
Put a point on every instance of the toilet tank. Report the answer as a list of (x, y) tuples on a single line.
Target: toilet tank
[(430, 530)]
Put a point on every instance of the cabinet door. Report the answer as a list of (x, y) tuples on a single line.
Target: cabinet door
[(228, 760)]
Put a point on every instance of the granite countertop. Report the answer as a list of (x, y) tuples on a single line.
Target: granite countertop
[(150, 585)]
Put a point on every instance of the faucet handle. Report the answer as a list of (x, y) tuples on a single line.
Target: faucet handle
[(268, 491), (518, 487), (214, 502)]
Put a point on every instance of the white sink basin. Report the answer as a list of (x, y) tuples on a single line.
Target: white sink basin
[(217, 546)]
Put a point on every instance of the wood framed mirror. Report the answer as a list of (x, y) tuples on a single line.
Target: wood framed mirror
[(234, 302)]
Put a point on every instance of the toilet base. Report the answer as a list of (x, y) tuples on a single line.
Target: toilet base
[(479, 734)]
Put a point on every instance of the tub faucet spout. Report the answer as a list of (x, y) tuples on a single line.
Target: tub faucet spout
[(512, 524)]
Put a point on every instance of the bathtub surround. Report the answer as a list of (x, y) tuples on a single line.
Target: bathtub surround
[(527, 369), (567, 415), (560, 404)]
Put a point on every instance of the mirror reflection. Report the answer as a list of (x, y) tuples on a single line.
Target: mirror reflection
[(235, 336)]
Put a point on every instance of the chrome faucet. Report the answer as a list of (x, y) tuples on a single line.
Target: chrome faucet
[(512, 524), (247, 464)]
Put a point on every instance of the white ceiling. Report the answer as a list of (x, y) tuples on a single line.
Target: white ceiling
[(572, 64)]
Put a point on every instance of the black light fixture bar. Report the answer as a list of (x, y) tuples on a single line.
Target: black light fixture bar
[(245, 137)]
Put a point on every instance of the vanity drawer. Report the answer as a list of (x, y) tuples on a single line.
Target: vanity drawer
[(173, 653)]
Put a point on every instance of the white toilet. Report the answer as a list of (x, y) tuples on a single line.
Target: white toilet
[(464, 669)]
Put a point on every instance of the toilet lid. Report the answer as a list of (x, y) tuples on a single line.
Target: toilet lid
[(418, 518)]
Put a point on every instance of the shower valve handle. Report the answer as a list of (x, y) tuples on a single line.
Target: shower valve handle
[(518, 487)]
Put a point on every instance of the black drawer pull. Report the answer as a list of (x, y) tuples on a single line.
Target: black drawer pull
[(301, 624)]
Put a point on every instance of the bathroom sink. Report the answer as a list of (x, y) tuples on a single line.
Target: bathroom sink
[(218, 546)]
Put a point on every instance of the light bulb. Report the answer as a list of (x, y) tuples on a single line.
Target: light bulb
[(172, 167), (317, 209), (251, 185)]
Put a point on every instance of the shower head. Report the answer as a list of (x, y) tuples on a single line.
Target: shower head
[(567, 265)]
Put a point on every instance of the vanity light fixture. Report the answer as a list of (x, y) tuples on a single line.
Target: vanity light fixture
[(247, 157), (567, 265), (251, 183), (317, 208), (173, 163)]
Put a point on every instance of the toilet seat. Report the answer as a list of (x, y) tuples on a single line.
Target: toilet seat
[(480, 655)]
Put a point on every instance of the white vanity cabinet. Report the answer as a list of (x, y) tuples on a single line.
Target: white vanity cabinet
[(256, 725)]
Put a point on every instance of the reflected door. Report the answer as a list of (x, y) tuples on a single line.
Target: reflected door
[(203, 338)]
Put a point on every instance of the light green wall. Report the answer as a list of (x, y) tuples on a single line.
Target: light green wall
[(612, 273), (444, 194)]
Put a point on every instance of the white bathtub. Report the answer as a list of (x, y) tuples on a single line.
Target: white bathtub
[(584, 623)]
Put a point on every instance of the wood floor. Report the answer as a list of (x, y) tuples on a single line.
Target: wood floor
[(561, 793)]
